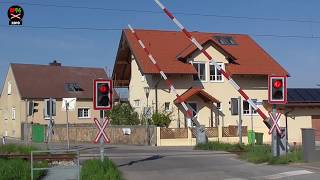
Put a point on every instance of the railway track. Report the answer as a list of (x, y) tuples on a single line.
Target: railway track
[(38, 157)]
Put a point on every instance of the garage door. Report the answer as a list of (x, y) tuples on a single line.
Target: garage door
[(316, 126)]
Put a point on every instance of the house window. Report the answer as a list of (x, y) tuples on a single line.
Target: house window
[(219, 106), (5, 114), (73, 87), (201, 69), (84, 113), (215, 75), (136, 103), (47, 108), (167, 106), (13, 113), (247, 109), (9, 88)]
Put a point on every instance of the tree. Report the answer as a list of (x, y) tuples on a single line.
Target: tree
[(123, 114)]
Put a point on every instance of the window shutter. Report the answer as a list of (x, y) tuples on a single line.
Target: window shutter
[(54, 107), (234, 106), (46, 108)]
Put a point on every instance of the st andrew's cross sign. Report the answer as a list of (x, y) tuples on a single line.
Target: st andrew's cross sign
[(101, 133)]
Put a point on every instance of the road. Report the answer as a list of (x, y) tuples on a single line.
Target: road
[(184, 163)]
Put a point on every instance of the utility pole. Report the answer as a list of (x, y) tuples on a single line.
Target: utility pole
[(240, 120), (49, 123), (101, 139), (274, 135), (67, 109), (26, 126)]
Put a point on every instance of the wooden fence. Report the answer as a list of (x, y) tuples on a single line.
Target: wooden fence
[(232, 131)]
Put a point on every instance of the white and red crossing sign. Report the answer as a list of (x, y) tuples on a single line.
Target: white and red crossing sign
[(275, 125), (101, 133)]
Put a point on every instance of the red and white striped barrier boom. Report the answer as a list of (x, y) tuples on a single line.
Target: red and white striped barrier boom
[(163, 75), (224, 73)]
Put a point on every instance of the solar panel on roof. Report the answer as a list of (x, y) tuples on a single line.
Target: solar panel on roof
[(303, 95)]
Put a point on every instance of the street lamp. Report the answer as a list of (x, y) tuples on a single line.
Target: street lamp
[(147, 92)]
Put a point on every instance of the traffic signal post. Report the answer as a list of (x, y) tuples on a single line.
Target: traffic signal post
[(277, 94), (102, 101)]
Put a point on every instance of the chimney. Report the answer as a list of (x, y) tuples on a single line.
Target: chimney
[(55, 63)]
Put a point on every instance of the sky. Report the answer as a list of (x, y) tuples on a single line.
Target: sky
[(289, 30)]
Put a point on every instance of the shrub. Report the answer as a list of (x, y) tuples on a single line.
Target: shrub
[(161, 119), (123, 114), (96, 170)]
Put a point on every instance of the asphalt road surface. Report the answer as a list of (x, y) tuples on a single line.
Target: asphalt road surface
[(184, 163)]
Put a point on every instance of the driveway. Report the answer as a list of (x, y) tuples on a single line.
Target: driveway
[(184, 163)]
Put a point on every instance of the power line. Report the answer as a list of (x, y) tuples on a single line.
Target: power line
[(120, 29), (159, 12), (63, 28)]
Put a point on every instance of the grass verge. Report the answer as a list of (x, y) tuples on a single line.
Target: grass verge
[(12, 169), (254, 154), (95, 170), (16, 149)]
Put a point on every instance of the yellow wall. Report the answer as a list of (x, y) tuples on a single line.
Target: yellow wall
[(61, 116), (254, 86), (13, 127), (8, 126)]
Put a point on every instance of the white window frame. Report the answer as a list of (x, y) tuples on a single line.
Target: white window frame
[(5, 114), (84, 117), (205, 70), (216, 72), (13, 113), (169, 107), (134, 103), (251, 111), (219, 107), (46, 111), (9, 88)]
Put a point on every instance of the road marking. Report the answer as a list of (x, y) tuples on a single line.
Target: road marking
[(286, 174), (236, 179)]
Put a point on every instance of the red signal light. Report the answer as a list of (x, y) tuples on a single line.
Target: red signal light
[(103, 89), (277, 84)]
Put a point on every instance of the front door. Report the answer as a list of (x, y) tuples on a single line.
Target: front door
[(316, 126)]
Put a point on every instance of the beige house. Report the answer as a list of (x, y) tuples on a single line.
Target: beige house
[(198, 82), (38, 83)]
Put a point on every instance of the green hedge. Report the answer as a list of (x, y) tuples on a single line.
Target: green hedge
[(97, 170)]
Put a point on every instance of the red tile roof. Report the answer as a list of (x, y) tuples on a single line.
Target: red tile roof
[(196, 91), (168, 46), (45, 81)]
